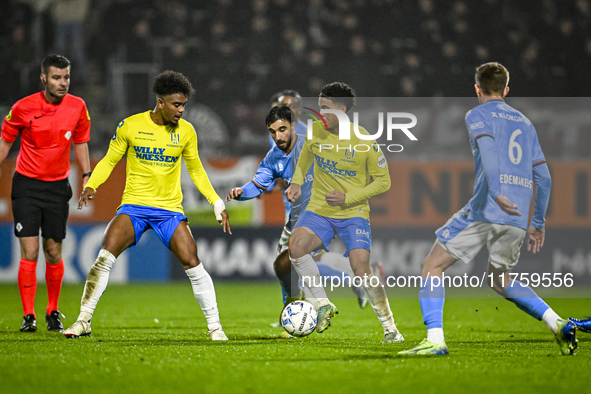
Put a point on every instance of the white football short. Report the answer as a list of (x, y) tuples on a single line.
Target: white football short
[(284, 240), (463, 239)]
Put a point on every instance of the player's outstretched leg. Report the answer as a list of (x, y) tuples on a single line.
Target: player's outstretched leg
[(183, 246), (204, 293), (96, 283), (566, 337), (526, 299), (583, 325)]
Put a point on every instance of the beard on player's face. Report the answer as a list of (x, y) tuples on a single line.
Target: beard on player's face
[(169, 116), (171, 126)]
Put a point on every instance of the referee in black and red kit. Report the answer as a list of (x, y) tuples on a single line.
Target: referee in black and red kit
[(49, 122)]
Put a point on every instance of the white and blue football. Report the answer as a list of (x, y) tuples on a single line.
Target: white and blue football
[(299, 318)]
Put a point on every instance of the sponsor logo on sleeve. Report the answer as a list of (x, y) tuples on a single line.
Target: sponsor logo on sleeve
[(382, 161), (476, 126)]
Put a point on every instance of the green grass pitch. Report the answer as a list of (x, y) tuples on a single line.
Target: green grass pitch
[(152, 338)]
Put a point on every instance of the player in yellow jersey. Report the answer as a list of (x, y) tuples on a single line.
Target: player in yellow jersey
[(154, 141), (339, 204)]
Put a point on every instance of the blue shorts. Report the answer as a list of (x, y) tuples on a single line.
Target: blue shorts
[(355, 232), (162, 221)]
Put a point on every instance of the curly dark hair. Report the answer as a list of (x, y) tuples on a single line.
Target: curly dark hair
[(171, 82), (57, 61), (339, 92), (279, 112)]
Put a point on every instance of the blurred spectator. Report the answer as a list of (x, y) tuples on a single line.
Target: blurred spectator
[(138, 46), (68, 19), (16, 53), (173, 18)]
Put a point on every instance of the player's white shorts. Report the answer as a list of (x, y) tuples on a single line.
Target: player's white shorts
[(463, 239), (284, 240)]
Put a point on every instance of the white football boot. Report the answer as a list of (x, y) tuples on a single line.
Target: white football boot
[(217, 334), (79, 329)]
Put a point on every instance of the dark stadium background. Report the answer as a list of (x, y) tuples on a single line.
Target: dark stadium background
[(238, 53)]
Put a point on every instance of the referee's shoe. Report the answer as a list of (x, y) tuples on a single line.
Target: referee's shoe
[(29, 324), (54, 322)]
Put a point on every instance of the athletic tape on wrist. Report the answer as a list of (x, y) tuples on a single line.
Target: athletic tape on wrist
[(218, 208)]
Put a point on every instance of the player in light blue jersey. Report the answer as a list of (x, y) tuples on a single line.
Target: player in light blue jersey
[(279, 163), (508, 160), (293, 100)]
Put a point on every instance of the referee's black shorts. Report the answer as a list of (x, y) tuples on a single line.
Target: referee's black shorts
[(40, 204)]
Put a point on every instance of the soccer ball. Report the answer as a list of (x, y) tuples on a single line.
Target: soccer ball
[(299, 318)]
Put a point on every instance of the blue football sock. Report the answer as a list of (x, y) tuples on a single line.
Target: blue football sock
[(431, 299), (328, 272), (526, 299), (283, 294)]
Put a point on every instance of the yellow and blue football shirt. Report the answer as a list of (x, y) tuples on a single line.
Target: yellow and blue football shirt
[(344, 165), (154, 152)]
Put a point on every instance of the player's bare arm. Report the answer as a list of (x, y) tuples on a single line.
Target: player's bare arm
[(507, 206), (536, 239), (87, 194), (4, 149), (280, 184), (293, 192), (335, 198), (234, 194), (83, 158)]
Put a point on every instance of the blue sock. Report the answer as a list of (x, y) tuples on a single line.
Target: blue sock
[(431, 299), (328, 272), (283, 293), (526, 299)]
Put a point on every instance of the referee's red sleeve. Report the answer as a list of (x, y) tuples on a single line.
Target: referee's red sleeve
[(11, 125), (82, 131)]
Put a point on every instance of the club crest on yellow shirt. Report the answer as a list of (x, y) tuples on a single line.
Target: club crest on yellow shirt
[(349, 154), (175, 138)]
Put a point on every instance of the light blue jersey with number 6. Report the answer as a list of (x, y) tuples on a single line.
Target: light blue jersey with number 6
[(518, 151)]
